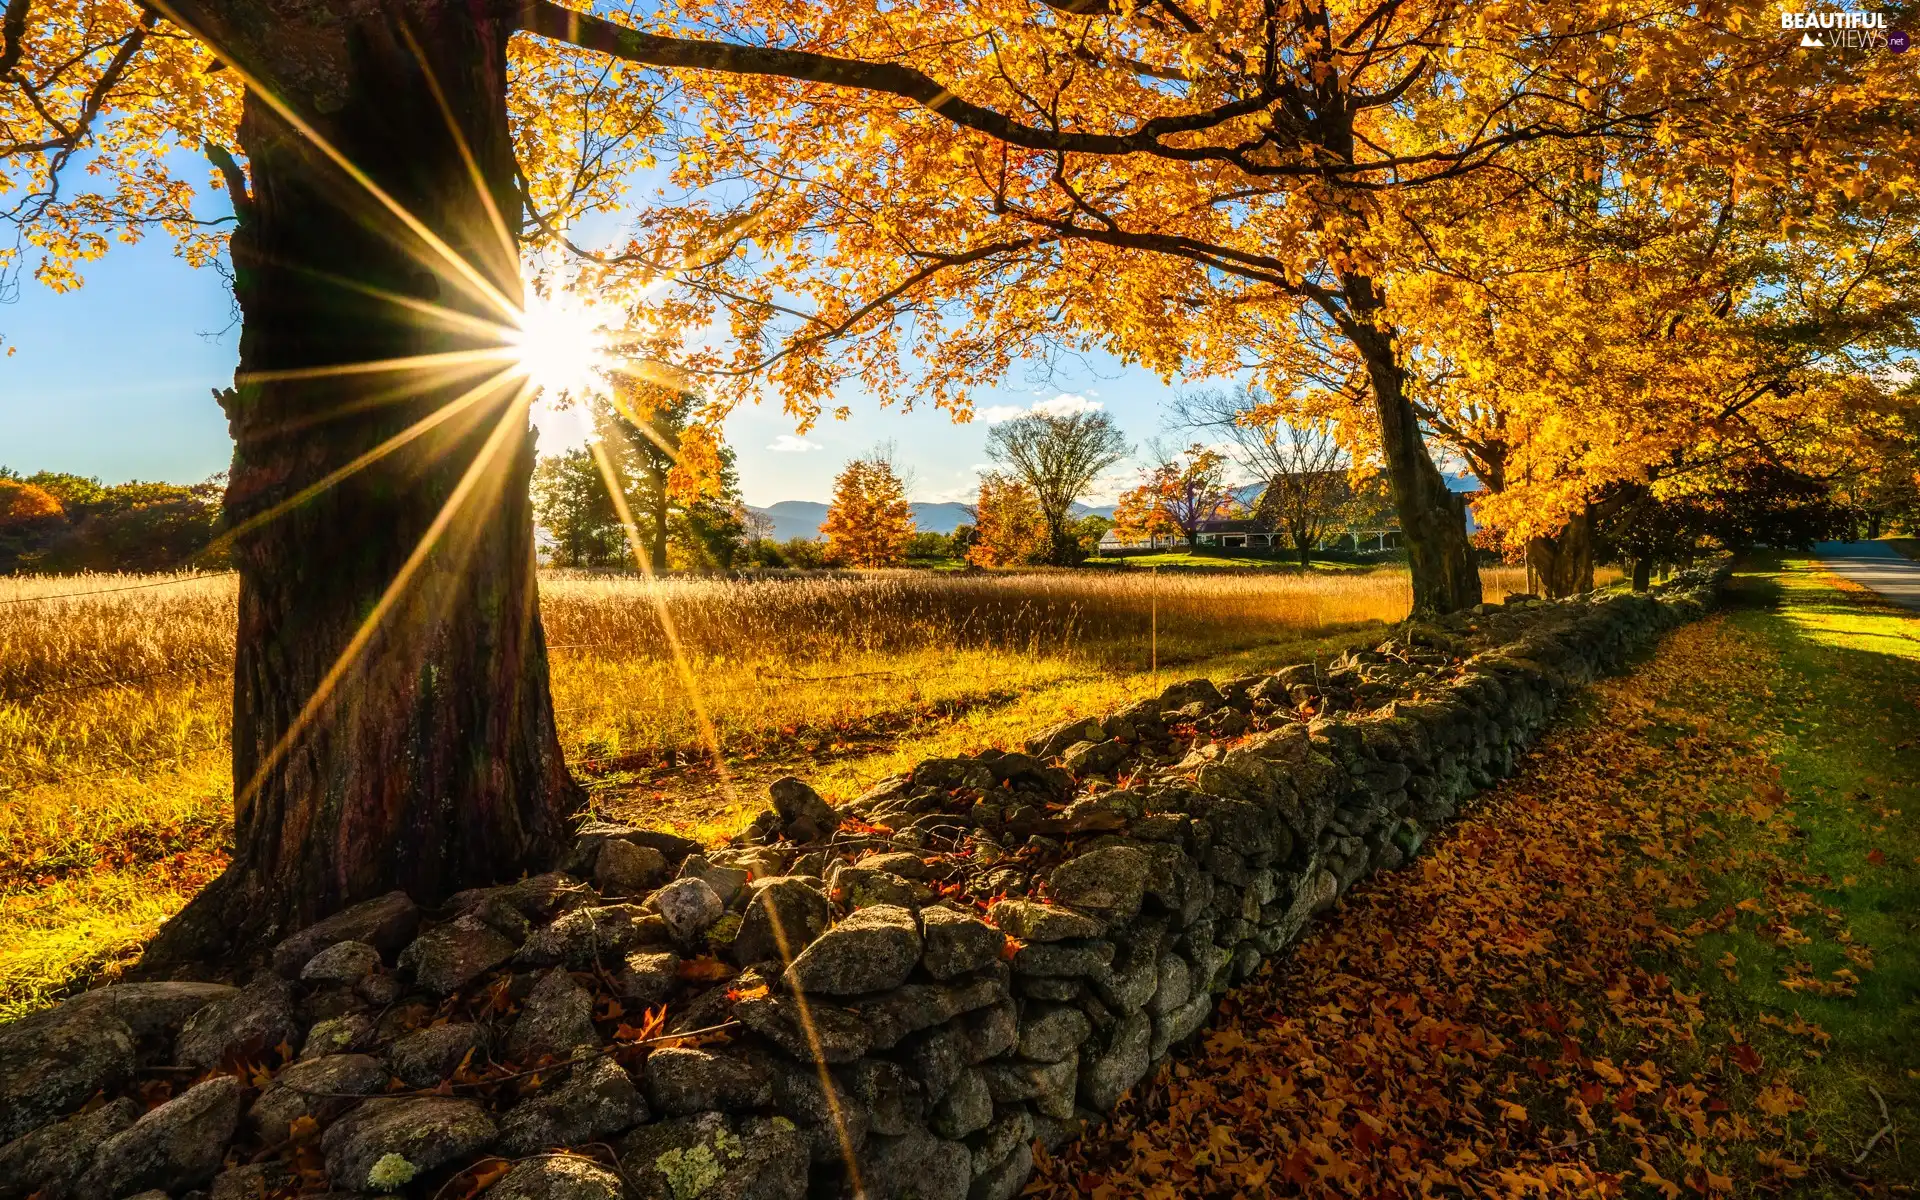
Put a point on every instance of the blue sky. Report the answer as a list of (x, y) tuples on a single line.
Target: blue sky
[(116, 380)]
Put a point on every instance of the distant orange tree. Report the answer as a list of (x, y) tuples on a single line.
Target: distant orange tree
[(869, 523), (1012, 531), (1175, 496)]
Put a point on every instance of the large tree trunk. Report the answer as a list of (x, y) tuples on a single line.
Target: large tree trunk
[(1433, 519), (1564, 562), (392, 721)]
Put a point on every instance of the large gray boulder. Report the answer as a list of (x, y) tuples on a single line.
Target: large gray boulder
[(625, 869), (384, 1144), (343, 963), (1056, 738), (151, 1009), (830, 1121), (725, 881), (321, 1088), (252, 1181), (1051, 1032), (557, 1178), (1175, 986), (1109, 882), (807, 817), (916, 1006), (647, 977), (176, 1146), (1011, 1129), (50, 1160), (917, 1164), (682, 1081), (991, 1031), (863, 887), (52, 1062), (597, 1101), (966, 1108), (1086, 759), (891, 1098), (1034, 922), (386, 923), (715, 1157), (1005, 1179), (447, 957), (248, 1023), (337, 1035), (1106, 1075), (579, 938), (822, 1031), (957, 943), (871, 951), (689, 906), (426, 1056), (1050, 1086), (557, 1017), (785, 915)]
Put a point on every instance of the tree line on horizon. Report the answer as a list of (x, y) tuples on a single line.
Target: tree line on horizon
[(54, 522)]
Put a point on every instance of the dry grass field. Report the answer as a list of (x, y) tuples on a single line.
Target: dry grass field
[(114, 705)]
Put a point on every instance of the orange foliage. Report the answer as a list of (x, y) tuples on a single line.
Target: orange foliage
[(1011, 531), (869, 522)]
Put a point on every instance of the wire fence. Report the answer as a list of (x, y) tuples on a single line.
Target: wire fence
[(131, 587)]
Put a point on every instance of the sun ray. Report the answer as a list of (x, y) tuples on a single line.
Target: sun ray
[(509, 248), (426, 424), (682, 667), (405, 362)]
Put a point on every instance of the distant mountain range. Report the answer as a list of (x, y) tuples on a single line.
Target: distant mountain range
[(801, 518)]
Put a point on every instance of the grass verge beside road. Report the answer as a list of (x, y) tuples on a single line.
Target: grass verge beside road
[(1675, 955)]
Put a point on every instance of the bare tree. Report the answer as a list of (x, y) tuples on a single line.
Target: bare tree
[(1058, 457), (1302, 467)]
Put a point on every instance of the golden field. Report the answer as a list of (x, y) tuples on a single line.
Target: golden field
[(114, 703)]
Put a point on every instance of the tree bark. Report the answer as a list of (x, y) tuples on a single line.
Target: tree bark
[(1564, 562), (659, 531), (1433, 519), (393, 726), (1642, 573)]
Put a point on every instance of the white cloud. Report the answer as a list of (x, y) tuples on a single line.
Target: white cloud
[(965, 491), (1066, 404), (787, 443), (1063, 405)]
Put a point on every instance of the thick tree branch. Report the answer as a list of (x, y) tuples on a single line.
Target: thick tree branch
[(234, 177), (595, 33), (13, 34)]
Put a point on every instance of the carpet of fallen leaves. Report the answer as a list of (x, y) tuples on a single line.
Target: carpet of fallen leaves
[(1506, 1015)]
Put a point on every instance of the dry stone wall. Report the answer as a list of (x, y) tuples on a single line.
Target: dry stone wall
[(896, 999)]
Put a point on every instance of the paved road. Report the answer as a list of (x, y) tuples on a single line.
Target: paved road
[(1878, 566)]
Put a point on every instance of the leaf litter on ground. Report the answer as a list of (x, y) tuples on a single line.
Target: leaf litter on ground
[(1525, 1009)]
